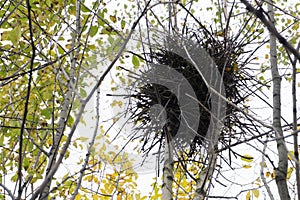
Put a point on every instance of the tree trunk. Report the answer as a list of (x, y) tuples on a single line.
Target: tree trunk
[(66, 106), (281, 170), (168, 170), (204, 180)]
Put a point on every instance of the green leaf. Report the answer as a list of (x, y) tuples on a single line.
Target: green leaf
[(83, 139), (72, 10), (14, 178), (14, 35), (83, 93), (84, 9), (70, 121), (135, 61), (46, 112), (26, 163), (123, 23), (93, 31)]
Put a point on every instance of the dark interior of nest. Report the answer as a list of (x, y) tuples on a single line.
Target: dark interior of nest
[(151, 94)]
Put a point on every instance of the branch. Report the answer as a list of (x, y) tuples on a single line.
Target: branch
[(8, 191), (281, 171), (271, 27), (91, 144), (26, 102), (66, 106), (262, 176), (65, 147), (295, 125)]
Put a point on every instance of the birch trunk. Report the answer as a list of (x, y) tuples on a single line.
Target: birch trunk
[(281, 170), (168, 170), (204, 180), (66, 106)]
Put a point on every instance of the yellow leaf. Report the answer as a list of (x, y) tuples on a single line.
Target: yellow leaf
[(296, 26), (247, 158), (248, 195), (220, 33), (228, 69), (96, 180), (263, 164), (83, 139), (117, 103), (266, 56), (138, 197), (256, 193), (96, 197), (247, 166), (268, 174), (113, 18), (273, 174), (258, 181), (78, 197), (235, 67), (291, 154), (289, 173), (115, 119)]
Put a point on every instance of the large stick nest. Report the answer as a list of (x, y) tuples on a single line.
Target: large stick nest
[(226, 53)]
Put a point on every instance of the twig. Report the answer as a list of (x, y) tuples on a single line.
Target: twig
[(260, 14), (66, 145), (26, 102)]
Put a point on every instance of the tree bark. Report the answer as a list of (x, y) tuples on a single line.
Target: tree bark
[(204, 180), (295, 132), (66, 106), (168, 169), (281, 170)]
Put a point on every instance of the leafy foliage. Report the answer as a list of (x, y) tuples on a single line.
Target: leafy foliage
[(56, 55)]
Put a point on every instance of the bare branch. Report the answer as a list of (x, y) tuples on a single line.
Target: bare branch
[(20, 164), (262, 176), (8, 191)]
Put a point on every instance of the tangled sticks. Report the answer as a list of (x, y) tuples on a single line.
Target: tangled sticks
[(149, 94)]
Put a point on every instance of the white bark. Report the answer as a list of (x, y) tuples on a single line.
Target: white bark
[(281, 170), (168, 170), (64, 149), (204, 180)]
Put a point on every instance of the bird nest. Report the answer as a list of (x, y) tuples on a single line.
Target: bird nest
[(226, 54)]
